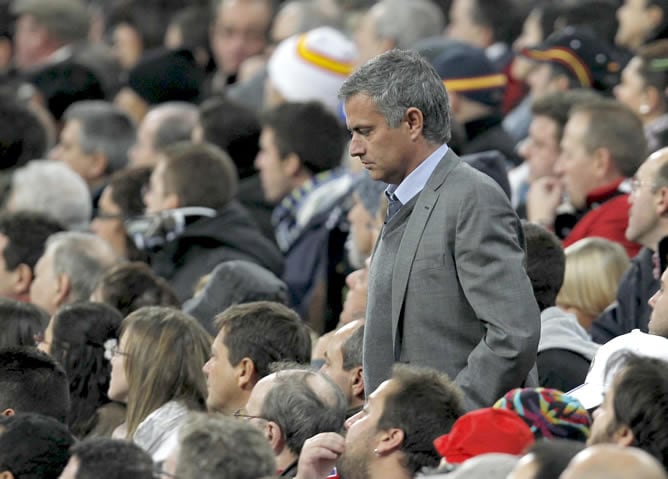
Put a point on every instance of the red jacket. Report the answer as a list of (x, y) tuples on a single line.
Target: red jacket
[(608, 218)]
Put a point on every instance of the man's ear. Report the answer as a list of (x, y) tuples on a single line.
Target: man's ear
[(63, 288), (623, 436), (6, 475), (603, 164), (8, 412), (291, 165), (274, 435), (390, 441), (415, 121), (246, 374), (22, 279), (98, 167), (171, 201), (357, 377), (662, 200)]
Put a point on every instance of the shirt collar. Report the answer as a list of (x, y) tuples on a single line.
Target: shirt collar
[(417, 179)]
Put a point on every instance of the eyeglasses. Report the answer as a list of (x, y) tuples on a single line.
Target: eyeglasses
[(637, 184), (240, 414)]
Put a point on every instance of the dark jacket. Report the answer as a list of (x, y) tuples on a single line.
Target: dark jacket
[(631, 310), (209, 241), (486, 134)]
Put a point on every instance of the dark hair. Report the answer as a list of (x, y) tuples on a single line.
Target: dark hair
[(552, 456), (615, 127), (351, 349), (640, 402), (31, 381), (308, 130), (558, 105), (111, 459), (23, 137), (265, 332), (189, 21), (233, 128), (501, 16), (20, 323), (27, 233), (424, 404), (33, 446), (301, 408), (126, 190), (199, 175), (79, 333), (546, 263), (598, 15), (130, 286), (148, 19)]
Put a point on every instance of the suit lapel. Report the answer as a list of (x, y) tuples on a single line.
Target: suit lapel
[(413, 233)]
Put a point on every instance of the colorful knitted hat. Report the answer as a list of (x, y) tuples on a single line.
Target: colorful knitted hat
[(548, 412), (483, 431), (312, 66)]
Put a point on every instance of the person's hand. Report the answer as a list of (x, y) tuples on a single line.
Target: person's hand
[(319, 455), (543, 199)]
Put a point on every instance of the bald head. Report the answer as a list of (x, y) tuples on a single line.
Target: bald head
[(614, 462)]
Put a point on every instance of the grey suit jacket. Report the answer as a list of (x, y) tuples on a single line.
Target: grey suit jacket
[(461, 299)]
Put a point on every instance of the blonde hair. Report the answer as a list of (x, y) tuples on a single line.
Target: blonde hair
[(594, 267), (166, 350)]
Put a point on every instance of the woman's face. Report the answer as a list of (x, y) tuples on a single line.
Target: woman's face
[(631, 90), (118, 385)]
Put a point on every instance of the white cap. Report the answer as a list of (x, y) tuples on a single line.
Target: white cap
[(312, 66), (590, 394)]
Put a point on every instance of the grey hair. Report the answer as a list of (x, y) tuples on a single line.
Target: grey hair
[(83, 257), (407, 22), (310, 16), (215, 447), (176, 123), (52, 188), (351, 349), (104, 129), (400, 79), (300, 408)]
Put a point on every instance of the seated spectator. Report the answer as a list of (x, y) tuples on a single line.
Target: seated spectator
[(30, 381), (53, 189), (475, 90), (108, 458), (20, 323), (235, 129), (94, 142), (76, 338), (603, 142), (648, 225), (546, 459), (343, 364), (594, 267), (642, 89), (614, 462), (69, 269), (213, 228), (354, 306), (160, 76), (549, 413), (293, 406), (365, 222), (310, 67), (250, 338), (301, 147), (23, 236), (156, 371), (484, 431), (394, 434), (164, 125), (130, 286), (121, 202), (640, 23), (33, 446), (234, 282), (634, 411), (219, 447), (565, 350)]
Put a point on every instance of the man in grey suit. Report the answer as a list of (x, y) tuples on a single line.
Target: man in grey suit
[(447, 284)]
